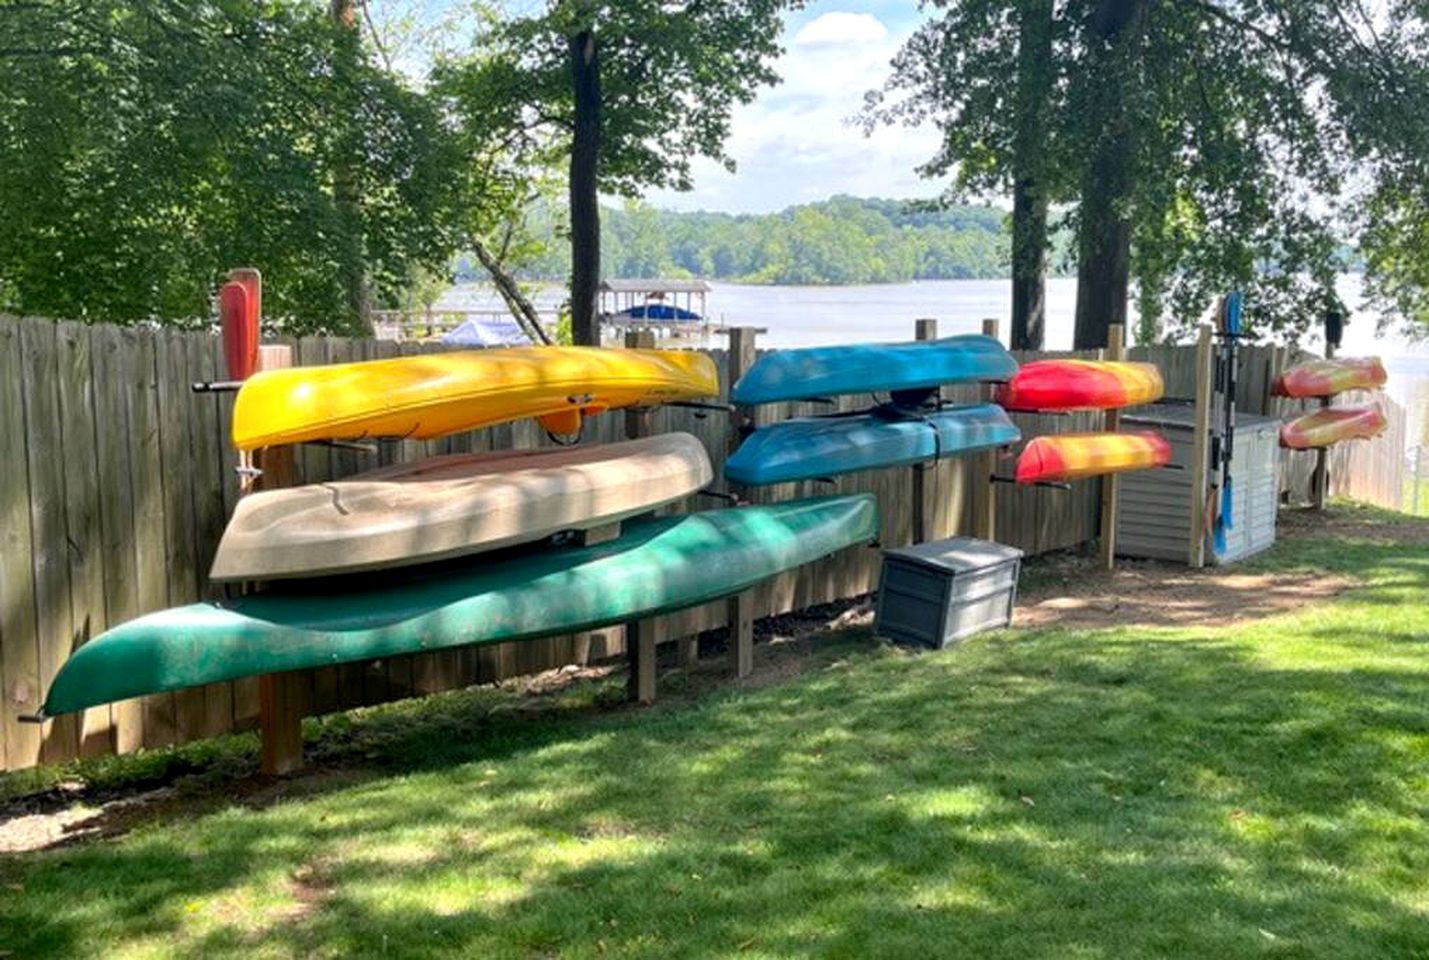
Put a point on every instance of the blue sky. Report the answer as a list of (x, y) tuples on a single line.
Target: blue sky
[(793, 144)]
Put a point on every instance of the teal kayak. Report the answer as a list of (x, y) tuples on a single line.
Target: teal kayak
[(810, 372), (655, 566), (810, 447)]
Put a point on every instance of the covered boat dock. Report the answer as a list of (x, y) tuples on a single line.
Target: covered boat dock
[(671, 308)]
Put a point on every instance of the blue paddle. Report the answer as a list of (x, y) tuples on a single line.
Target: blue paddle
[(1230, 332)]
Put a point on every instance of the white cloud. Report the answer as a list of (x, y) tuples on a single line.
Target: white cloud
[(840, 28), (794, 143)]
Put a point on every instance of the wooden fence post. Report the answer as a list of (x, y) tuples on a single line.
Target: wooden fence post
[(1111, 421), (924, 329), (984, 490), (280, 695), (1200, 445), (740, 609)]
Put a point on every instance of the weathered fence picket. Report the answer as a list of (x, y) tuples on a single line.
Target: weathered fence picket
[(116, 482)]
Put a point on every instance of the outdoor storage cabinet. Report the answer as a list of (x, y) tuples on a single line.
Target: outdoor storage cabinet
[(1154, 514), (933, 594)]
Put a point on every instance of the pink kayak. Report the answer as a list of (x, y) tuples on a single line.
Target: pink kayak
[(1072, 456), (1325, 378), (1331, 425)]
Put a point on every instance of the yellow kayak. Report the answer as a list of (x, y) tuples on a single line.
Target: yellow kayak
[(432, 395)]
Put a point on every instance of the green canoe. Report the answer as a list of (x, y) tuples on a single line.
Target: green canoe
[(656, 566)]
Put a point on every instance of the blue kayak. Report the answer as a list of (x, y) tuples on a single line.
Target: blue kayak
[(873, 368), (810, 447)]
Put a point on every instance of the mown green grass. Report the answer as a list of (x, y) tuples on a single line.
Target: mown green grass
[(1252, 790), (1417, 504)]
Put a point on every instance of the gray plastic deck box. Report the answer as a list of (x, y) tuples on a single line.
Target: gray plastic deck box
[(936, 593), (1154, 513)]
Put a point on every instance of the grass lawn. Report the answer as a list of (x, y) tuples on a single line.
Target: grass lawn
[(1416, 503), (1209, 791)]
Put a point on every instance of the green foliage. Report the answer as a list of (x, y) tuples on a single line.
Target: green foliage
[(562, 334), (1260, 139), (671, 73), (844, 240), (149, 146)]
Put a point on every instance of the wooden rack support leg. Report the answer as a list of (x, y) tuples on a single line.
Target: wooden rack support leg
[(1201, 445), (984, 490), (643, 636), (923, 329), (280, 695), (1320, 482), (1111, 421), (280, 723), (742, 354), (640, 639), (741, 634)]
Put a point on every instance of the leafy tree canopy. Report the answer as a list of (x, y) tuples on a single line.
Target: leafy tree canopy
[(671, 73), (1250, 141), (150, 145)]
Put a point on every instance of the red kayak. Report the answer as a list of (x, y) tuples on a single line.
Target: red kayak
[(1325, 378), (238, 322), (1061, 385), (1072, 456), (1329, 426)]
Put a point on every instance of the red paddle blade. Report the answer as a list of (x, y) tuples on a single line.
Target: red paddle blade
[(239, 327), (252, 281)]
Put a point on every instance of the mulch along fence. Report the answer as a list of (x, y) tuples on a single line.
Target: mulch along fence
[(117, 481)]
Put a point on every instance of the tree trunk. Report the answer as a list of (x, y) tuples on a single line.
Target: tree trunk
[(1104, 234), (521, 308), (585, 205), (347, 189), (1035, 77)]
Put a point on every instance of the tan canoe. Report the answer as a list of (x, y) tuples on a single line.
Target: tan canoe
[(455, 504)]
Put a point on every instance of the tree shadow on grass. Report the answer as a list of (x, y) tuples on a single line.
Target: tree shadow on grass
[(1045, 793)]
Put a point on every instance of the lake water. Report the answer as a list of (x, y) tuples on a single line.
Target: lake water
[(812, 316)]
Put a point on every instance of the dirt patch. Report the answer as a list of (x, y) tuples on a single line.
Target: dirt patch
[(1140, 594), (65, 815), (310, 885), (1340, 523)]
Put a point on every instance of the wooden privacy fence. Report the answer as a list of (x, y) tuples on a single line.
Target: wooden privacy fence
[(117, 481), (1375, 471)]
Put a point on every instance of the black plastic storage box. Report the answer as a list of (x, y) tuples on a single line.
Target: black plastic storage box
[(934, 594)]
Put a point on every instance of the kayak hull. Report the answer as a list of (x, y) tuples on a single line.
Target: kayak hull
[(447, 506), (1327, 427), (657, 566), (1074, 456), (811, 447), (872, 368), (1064, 385), (432, 395), (1325, 378)]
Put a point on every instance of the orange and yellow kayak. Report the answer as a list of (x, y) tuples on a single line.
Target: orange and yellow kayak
[(1072, 456), (1331, 425), (1080, 385), (1325, 378), (432, 395)]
